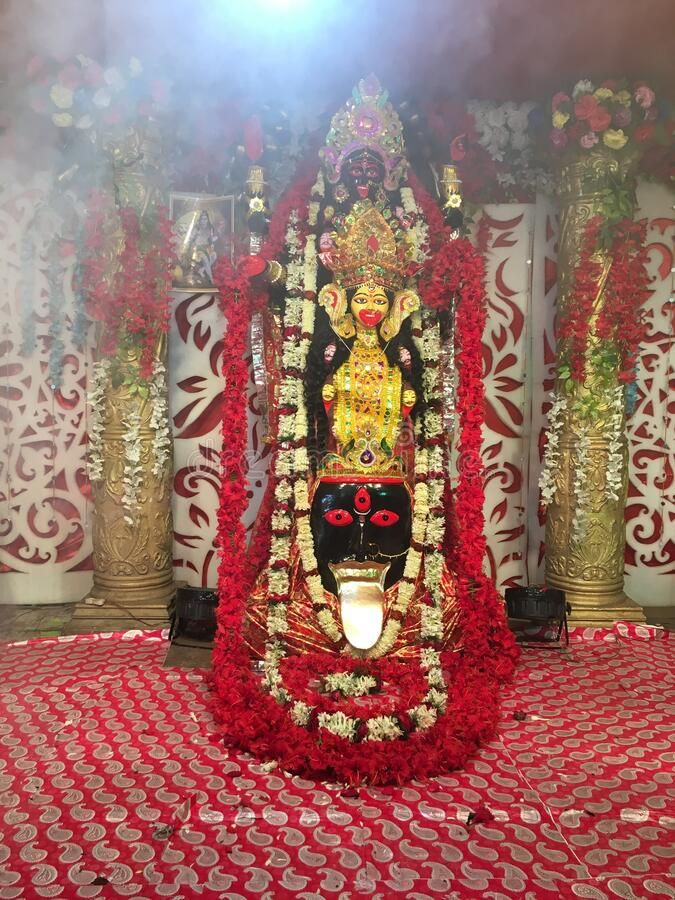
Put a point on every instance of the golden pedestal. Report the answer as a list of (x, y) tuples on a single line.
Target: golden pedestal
[(591, 569)]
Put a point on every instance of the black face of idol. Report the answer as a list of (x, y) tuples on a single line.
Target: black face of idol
[(363, 175), (361, 522)]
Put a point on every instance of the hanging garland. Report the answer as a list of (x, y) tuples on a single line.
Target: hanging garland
[(594, 350), (447, 703), (131, 303)]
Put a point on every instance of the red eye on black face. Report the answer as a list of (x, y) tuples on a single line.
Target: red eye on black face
[(339, 517), (384, 518)]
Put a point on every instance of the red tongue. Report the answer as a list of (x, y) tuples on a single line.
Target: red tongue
[(362, 190)]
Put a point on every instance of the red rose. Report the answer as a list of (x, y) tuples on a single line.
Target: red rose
[(93, 74), (644, 132), (361, 731), (70, 76), (585, 106), (600, 119), (405, 722), (577, 131)]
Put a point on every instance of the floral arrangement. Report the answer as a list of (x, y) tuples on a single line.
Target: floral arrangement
[(615, 115), (594, 349), (494, 146), (286, 716), (82, 95), (130, 298)]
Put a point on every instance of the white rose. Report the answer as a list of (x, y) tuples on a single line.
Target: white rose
[(496, 116), (102, 98)]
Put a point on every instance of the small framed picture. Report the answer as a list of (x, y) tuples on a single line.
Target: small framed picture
[(203, 227)]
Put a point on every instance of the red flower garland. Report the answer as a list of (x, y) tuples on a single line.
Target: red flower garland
[(457, 272), (248, 717), (133, 306), (573, 326), (621, 319)]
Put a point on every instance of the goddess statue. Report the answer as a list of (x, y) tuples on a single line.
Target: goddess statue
[(363, 392), (355, 596)]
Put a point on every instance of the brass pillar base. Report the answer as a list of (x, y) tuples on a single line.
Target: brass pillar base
[(588, 612), (120, 611), (157, 588)]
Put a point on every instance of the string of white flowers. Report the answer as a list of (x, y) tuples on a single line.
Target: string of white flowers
[(96, 397), (298, 317), (581, 497), (278, 581), (432, 616), (317, 193), (294, 467), (556, 419), (615, 451), (349, 684), (159, 419), (338, 723), (132, 477), (419, 231)]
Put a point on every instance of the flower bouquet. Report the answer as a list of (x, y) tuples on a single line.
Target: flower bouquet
[(615, 116), (83, 96)]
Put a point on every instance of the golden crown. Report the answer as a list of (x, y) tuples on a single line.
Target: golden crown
[(366, 251)]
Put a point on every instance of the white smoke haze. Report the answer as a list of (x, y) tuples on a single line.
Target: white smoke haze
[(305, 55)]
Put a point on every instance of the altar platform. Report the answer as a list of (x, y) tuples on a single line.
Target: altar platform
[(113, 785)]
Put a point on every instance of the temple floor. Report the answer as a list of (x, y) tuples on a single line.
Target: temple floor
[(113, 786)]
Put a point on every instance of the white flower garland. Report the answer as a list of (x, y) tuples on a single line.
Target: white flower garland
[(132, 478), (349, 684), (96, 397), (420, 230), (430, 351), (615, 458), (159, 420), (294, 355), (581, 498), (612, 426), (556, 419), (291, 471)]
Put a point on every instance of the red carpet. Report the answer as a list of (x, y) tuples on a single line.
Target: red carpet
[(111, 786)]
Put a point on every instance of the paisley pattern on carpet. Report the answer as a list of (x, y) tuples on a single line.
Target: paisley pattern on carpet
[(112, 786)]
